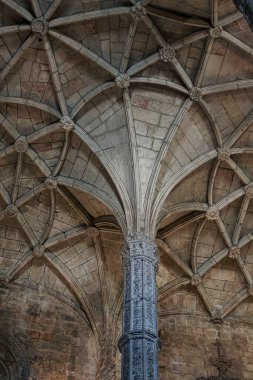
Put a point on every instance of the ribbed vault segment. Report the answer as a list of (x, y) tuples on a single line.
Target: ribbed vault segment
[(109, 113)]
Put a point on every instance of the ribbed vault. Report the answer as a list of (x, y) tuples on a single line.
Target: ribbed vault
[(122, 116)]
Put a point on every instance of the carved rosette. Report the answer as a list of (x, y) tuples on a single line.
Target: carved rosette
[(67, 123), (223, 154), (122, 80), (21, 145), (249, 190), (196, 280), (39, 25), (138, 12), (39, 251), (167, 54), (11, 211), (234, 252), (139, 343), (215, 32), (50, 183), (212, 213), (195, 93)]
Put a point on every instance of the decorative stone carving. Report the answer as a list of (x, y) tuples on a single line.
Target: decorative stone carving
[(223, 154), (21, 145), (67, 123), (50, 183), (139, 343), (39, 25), (234, 252), (138, 12), (195, 93), (11, 211), (92, 232), (222, 364), (246, 8), (122, 80), (196, 280), (215, 32), (249, 190), (38, 251), (107, 365), (167, 54), (212, 213), (217, 317)]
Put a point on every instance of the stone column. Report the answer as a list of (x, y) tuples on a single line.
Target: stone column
[(139, 342)]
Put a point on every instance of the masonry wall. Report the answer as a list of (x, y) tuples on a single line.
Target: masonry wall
[(189, 348), (49, 339)]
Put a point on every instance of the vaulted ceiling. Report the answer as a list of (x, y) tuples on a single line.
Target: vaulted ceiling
[(117, 117)]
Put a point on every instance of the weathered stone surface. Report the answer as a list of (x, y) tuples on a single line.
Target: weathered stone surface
[(120, 116), (32, 323), (39, 25)]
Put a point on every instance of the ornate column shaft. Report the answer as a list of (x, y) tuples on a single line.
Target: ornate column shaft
[(139, 342)]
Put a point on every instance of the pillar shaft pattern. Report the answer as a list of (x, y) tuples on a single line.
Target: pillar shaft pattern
[(139, 342)]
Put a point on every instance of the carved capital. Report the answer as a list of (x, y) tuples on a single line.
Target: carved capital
[(140, 245), (234, 252), (138, 12), (196, 280), (215, 32), (39, 251), (67, 123), (223, 154), (217, 317), (212, 213), (122, 80), (21, 145), (50, 183), (167, 54), (39, 25), (249, 190), (195, 93), (11, 211), (93, 232)]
